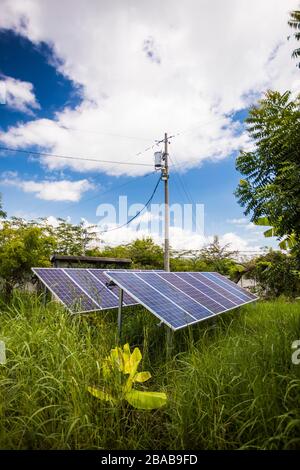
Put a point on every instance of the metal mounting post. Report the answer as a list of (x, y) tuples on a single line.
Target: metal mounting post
[(120, 313), (45, 296), (169, 343)]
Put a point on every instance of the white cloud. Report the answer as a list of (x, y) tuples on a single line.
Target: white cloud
[(208, 59), (244, 223), (238, 243), (251, 226), (53, 221), (145, 219), (180, 239), (63, 190), (240, 221), (18, 95)]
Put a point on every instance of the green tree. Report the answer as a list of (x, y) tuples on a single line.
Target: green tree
[(145, 253), (275, 274), (287, 243), (217, 257), (120, 251), (21, 247), (71, 239), (294, 22), (272, 170)]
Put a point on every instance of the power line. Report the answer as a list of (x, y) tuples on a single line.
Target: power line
[(139, 212), (186, 192), (44, 154), (95, 160), (191, 129), (104, 193), (181, 181)]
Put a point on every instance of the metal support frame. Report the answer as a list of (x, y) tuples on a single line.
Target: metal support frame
[(45, 292), (121, 294), (169, 343)]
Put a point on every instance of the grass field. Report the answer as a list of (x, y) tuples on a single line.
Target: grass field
[(230, 383)]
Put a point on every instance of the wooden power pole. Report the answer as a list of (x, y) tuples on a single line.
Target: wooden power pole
[(165, 177)]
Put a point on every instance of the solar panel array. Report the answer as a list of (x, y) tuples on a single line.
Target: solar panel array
[(82, 290), (182, 298), (178, 299)]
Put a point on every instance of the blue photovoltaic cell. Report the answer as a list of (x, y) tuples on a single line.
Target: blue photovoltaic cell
[(81, 289), (103, 279), (212, 293), (153, 300), (231, 286), (65, 290), (188, 305), (98, 292), (178, 280), (218, 289), (180, 299)]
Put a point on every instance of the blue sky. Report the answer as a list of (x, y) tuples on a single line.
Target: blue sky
[(113, 88)]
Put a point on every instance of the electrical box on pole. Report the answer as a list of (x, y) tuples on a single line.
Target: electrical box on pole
[(158, 160)]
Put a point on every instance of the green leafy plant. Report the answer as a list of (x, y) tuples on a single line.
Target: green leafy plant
[(286, 243), (120, 374)]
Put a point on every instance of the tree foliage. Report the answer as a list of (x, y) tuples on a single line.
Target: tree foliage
[(22, 247), (275, 273), (294, 23), (272, 170), (143, 252), (24, 244), (217, 256), (289, 242), (212, 257), (72, 239)]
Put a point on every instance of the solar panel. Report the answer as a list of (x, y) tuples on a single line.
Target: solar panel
[(82, 290), (102, 278), (65, 290), (182, 298), (231, 286), (96, 290)]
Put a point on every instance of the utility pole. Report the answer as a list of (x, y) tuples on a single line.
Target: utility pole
[(165, 177), (159, 157)]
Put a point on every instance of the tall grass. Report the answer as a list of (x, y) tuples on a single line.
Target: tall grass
[(231, 383)]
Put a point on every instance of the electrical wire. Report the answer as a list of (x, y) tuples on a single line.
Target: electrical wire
[(180, 179), (77, 204), (69, 157), (187, 193), (138, 213), (192, 129), (95, 160)]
